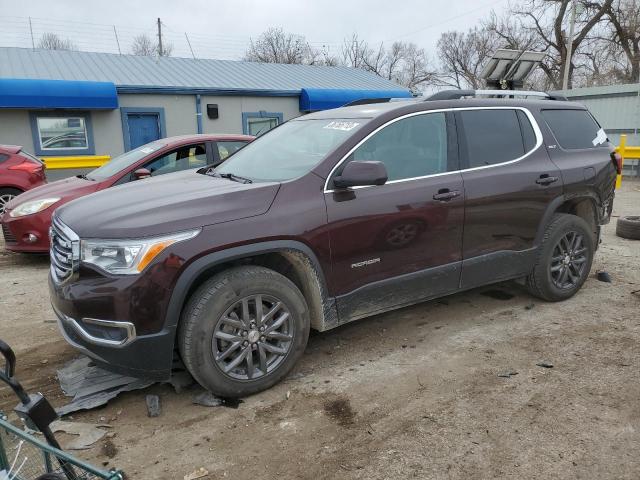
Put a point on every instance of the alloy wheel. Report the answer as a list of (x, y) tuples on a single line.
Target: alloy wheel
[(568, 261), (4, 199), (253, 337)]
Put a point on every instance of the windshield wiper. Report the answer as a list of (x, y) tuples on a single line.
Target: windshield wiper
[(231, 176), (84, 177)]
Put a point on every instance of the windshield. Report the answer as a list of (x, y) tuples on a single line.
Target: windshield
[(123, 161), (291, 150)]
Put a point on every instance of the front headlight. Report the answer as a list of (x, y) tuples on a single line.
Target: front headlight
[(33, 206), (128, 257)]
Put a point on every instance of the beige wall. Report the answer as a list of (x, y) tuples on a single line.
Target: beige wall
[(179, 111), (230, 111), (15, 129)]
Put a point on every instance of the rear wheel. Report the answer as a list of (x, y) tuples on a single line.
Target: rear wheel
[(564, 260), (243, 330), (6, 195)]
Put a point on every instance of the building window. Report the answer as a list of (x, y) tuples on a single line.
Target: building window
[(61, 134), (257, 123)]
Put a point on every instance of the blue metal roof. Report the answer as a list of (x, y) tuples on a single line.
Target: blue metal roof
[(312, 99), (133, 74), (32, 93)]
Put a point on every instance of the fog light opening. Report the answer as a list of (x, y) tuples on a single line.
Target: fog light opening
[(30, 238)]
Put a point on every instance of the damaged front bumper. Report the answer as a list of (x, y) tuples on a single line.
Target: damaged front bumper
[(115, 345)]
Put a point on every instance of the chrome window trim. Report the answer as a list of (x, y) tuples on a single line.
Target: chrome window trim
[(526, 111)]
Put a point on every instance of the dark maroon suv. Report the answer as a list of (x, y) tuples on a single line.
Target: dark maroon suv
[(331, 217)]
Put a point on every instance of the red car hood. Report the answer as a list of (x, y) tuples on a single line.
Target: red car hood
[(66, 189)]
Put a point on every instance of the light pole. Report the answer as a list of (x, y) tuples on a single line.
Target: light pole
[(567, 60)]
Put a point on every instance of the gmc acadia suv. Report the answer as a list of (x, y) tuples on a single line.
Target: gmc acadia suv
[(331, 217)]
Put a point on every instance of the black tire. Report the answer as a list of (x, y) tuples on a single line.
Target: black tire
[(628, 227), (207, 312), (7, 194), (545, 281)]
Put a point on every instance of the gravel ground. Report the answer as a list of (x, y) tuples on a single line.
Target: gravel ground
[(411, 393)]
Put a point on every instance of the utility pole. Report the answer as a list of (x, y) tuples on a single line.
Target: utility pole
[(160, 52), (117, 41), (33, 43), (567, 61)]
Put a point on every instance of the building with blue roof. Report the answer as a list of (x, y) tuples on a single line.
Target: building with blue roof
[(69, 103)]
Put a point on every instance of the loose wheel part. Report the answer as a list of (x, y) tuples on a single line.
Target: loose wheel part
[(628, 227), (564, 259), (243, 330)]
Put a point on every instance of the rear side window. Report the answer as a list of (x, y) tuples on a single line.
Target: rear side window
[(573, 129), (528, 135), (3, 157), (492, 136)]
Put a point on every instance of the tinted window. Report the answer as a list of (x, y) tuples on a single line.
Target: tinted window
[(189, 156), (493, 136), (411, 147), (227, 148), (573, 129), (3, 157), (528, 135)]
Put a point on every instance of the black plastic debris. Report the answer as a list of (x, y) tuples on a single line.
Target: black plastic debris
[(153, 406), (507, 374), (604, 277), (545, 364)]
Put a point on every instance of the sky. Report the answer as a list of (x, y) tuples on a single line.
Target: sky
[(223, 28)]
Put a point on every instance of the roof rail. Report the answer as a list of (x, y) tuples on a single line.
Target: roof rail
[(367, 101), (457, 94)]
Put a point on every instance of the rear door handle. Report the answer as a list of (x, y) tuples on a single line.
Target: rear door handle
[(444, 195), (546, 180)]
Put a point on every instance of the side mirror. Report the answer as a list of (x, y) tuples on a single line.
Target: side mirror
[(141, 173), (360, 173)]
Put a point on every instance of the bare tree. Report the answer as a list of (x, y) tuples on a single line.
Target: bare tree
[(624, 18), (463, 55), (144, 46), (277, 46), (545, 20), (52, 41)]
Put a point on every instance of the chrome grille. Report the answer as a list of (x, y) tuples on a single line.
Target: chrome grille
[(8, 236), (64, 251)]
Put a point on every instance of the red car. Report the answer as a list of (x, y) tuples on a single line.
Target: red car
[(19, 172), (26, 220)]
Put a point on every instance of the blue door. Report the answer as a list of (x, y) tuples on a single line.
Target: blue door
[(143, 128)]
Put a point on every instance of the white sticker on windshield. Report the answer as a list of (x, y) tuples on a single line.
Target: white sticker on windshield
[(346, 126), (601, 137)]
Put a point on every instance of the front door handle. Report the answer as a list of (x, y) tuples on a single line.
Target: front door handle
[(545, 179), (444, 195)]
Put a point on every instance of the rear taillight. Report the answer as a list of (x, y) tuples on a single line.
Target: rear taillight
[(616, 158), (27, 166)]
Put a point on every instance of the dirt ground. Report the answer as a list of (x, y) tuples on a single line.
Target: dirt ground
[(411, 393)]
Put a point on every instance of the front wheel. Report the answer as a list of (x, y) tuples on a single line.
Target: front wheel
[(243, 330), (564, 260), (6, 195)]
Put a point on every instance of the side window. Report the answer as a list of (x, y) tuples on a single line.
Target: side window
[(528, 135), (228, 148), (189, 156), (492, 136), (412, 147), (573, 129)]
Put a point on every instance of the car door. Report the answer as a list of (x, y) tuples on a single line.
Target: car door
[(401, 242), (509, 180)]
